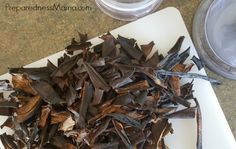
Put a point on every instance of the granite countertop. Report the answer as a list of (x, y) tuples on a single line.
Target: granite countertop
[(29, 35)]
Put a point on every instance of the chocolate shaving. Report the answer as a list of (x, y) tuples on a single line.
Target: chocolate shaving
[(66, 66), (87, 93), (126, 119), (21, 82), (58, 117), (45, 112), (197, 62), (176, 48), (29, 109), (199, 125), (121, 132), (141, 85), (129, 48), (74, 46), (96, 79), (98, 131), (47, 92), (153, 61), (41, 73), (98, 94), (147, 48), (8, 141), (109, 47)]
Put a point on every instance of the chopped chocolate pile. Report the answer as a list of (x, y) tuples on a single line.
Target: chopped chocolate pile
[(111, 95)]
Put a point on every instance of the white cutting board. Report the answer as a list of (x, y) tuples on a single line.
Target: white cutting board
[(164, 28)]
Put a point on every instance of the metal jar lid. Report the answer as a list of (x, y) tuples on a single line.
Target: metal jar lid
[(214, 35)]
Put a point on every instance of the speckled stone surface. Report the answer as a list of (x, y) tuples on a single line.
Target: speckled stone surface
[(29, 35)]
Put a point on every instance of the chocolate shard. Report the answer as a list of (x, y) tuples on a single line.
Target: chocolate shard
[(199, 125), (197, 62), (99, 130), (109, 47), (151, 75), (66, 66), (8, 141), (108, 35), (177, 46), (22, 82), (175, 84), (158, 128), (41, 73), (47, 92), (123, 99), (126, 119), (44, 116), (96, 78), (74, 46), (153, 61), (140, 99), (129, 48), (137, 137), (162, 145), (141, 85), (59, 141), (147, 48), (43, 136), (126, 70), (184, 55), (121, 132), (83, 37), (98, 94), (52, 131), (120, 82), (29, 109), (51, 66), (71, 95), (86, 99), (58, 117)]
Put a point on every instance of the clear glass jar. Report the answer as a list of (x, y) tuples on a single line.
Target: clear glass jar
[(214, 35), (128, 10)]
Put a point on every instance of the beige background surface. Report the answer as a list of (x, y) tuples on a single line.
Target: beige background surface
[(26, 36)]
